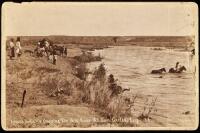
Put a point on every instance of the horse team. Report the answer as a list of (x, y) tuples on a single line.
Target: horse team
[(45, 48), (171, 70)]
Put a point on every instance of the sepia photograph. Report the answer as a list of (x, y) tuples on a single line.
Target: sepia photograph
[(99, 66)]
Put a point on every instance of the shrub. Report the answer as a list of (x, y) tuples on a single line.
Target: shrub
[(81, 71), (87, 57), (100, 73), (148, 109), (54, 86), (100, 95)]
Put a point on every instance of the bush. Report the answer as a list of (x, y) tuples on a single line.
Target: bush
[(100, 95), (87, 57), (148, 109), (82, 71), (54, 86), (100, 73)]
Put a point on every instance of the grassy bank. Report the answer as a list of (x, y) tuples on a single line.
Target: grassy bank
[(47, 87), (60, 91)]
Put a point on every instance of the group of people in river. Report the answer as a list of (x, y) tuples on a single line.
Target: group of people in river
[(177, 69), (43, 48)]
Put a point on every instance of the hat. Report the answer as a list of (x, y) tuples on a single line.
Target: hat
[(18, 38)]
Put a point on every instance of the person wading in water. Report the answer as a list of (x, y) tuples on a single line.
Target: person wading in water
[(177, 66)]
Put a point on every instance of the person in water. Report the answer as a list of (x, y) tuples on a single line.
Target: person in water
[(177, 66), (111, 79)]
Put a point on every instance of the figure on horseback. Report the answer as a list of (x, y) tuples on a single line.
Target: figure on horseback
[(177, 69)]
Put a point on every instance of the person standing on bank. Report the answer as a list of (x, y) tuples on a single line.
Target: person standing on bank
[(18, 47), (54, 57), (65, 51), (12, 48)]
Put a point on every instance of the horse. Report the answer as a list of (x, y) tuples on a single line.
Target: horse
[(59, 49), (172, 70), (39, 52), (159, 71)]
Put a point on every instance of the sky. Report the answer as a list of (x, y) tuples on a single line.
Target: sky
[(99, 19)]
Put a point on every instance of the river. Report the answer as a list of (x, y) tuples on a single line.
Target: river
[(175, 93)]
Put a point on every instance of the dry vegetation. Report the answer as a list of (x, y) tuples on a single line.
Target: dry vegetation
[(47, 85), (110, 102), (66, 84)]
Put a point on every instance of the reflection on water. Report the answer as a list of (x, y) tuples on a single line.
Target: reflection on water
[(132, 66)]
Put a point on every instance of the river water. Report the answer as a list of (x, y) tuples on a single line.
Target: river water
[(175, 93)]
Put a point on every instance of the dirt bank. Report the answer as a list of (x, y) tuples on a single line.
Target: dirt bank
[(41, 101)]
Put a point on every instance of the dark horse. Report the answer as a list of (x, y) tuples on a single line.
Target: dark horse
[(172, 70), (158, 71), (61, 49)]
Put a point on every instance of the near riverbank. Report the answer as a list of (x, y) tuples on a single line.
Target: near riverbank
[(55, 92)]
